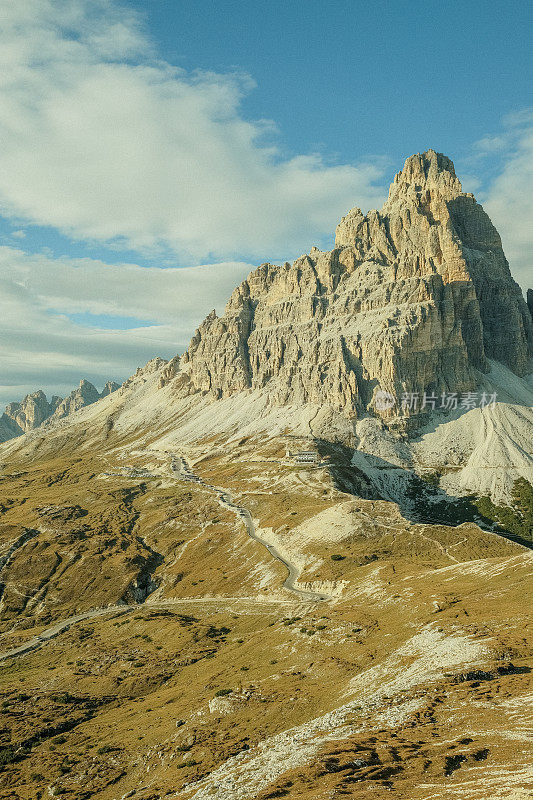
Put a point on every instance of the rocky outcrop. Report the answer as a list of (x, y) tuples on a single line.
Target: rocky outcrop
[(82, 396), (142, 374), (413, 298), (109, 388), (32, 411), (8, 428), (35, 409)]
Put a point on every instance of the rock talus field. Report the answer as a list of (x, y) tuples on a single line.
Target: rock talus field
[(239, 576)]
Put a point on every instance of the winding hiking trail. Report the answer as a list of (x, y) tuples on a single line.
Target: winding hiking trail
[(180, 467), (180, 470), (63, 625)]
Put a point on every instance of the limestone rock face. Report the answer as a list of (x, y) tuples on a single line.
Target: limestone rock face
[(9, 429), (32, 411), (35, 409), (84, 395), (109, 388), (413, 298)]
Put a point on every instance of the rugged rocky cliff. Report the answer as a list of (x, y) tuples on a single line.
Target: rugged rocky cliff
[(32, 411), (35, 409), (413, 298)]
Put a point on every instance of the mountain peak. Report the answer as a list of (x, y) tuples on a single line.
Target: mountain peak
[(428, 170), (414, 299), (34, 409)]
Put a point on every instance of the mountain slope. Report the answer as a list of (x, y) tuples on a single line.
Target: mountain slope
[(188, 610)]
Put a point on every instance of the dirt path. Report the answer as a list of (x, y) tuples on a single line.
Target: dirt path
[(180, 467), (61, 626), (181, 471)]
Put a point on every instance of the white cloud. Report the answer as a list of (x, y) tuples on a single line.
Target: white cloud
[(40, 346), (509, 199), (103, 142), (491, 144)]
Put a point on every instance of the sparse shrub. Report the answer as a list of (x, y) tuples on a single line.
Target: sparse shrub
[(516, 519), (433, 478), (451, 763), (223, 692), (337, 557), (7, 756), (107, 748), (215, 633)]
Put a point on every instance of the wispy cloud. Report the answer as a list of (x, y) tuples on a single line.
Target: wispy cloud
[(103, 142), (509, 198), (41, 344)]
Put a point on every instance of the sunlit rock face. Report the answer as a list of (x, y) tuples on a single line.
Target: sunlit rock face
[(35, 409), (413, 298), (32, 411)]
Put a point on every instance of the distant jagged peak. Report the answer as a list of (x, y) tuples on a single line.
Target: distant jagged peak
[(87, 388), (84, 395), (109, 388), (35, 409), (32, 411)]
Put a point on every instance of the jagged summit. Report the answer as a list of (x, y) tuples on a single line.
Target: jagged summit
[(35, 409), (413, 298), (429, 170)]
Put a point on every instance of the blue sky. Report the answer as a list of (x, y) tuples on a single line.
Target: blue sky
[(154, 152), (357, 79)]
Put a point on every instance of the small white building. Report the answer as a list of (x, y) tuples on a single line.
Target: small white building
[(303, 457)]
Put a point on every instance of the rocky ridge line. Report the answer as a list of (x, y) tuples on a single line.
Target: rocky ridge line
[(35, 409), (413, 298)]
